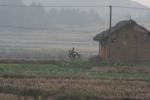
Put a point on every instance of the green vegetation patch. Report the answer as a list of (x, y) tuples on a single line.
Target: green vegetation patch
[(76, 69)]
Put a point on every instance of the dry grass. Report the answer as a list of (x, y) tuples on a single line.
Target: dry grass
[(77, 89)]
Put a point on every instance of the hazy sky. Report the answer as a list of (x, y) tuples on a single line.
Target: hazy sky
[(144, 2)]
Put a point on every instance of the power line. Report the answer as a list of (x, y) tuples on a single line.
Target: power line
[(24, 27), (69, 6), (129, 7), (74, 6), (50, 6)]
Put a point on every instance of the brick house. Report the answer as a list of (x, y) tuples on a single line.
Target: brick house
[(126, 41)]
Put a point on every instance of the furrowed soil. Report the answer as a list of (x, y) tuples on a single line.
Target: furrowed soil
[(73, 89)]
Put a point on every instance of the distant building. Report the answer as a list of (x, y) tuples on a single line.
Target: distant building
[(126, 41)]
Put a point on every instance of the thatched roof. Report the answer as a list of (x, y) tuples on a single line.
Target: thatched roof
[(106, 34)]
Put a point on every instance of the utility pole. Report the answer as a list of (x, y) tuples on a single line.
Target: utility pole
[(110, 23)]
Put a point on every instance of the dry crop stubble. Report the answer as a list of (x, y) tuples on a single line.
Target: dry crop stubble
[(80, 87)]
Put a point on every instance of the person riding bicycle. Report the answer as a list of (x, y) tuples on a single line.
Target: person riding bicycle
[(72, 51), (72, 54)]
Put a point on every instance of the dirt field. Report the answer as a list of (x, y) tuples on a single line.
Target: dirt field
[(73, 89), (74, 81)]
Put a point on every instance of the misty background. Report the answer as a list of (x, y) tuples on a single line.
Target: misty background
[(49, 32)]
